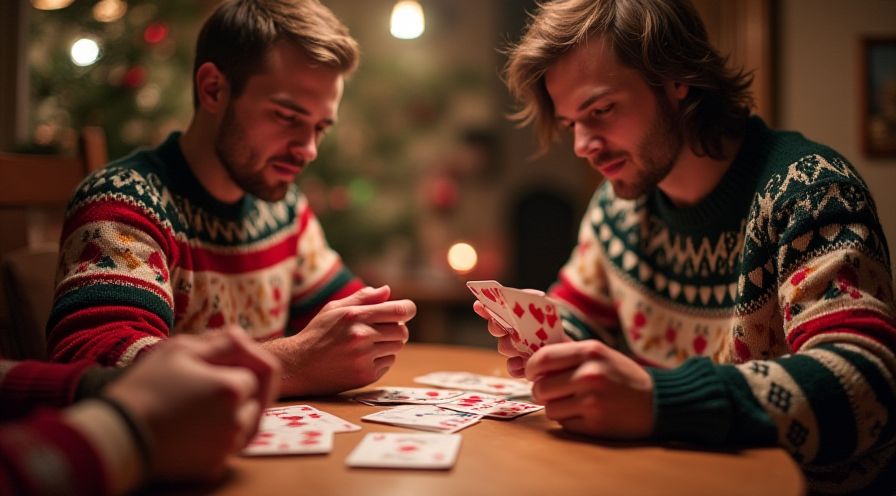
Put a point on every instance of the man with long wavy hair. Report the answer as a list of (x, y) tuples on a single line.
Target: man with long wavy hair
[(731, 283)]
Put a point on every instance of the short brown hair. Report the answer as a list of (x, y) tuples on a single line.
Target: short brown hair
[(239, 33), (662, 39)]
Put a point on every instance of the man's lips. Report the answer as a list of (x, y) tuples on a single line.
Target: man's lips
[(287, 168), (610, 168)]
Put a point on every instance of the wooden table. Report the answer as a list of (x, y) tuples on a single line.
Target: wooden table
[(528, 455)]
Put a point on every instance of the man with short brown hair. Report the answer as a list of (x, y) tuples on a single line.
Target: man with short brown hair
[(209, 230)]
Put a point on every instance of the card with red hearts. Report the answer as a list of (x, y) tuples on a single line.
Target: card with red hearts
[(536, 319), (490, 406), (489, 293), (530, 317), (400, 450)]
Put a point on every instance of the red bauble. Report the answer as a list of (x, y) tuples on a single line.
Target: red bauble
[(155, 33)]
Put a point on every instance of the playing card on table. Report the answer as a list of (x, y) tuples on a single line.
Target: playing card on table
[(490, 406), (300, 441), (489, 293), (392, 395), (399, 450), (302, 417), (536, 319), (468, 381), (424, 418)]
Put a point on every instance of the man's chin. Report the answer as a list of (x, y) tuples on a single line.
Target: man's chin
[(628, 191), (271, 194)]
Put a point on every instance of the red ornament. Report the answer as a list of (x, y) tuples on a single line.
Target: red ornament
[(134, 78), (443, 193), (155, 33)]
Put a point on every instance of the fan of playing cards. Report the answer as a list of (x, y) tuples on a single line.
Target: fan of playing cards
[(530, 318)]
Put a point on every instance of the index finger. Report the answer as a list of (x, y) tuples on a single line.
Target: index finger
[(387, 312), (560, 357)]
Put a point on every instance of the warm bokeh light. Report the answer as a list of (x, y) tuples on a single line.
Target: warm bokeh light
[(85, 52), (109, 10), (50, 4), (462, 257), (407, 20)]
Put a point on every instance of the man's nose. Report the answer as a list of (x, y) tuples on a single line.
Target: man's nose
[(304, 147), (586, 143)]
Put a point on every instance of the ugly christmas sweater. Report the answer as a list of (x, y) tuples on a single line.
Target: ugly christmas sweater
[(765, 313), (146, 252), (44, 451)]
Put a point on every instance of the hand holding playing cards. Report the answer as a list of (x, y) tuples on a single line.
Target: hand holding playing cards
[(516, 361), (590, 388), (350, 343), (198, 400)]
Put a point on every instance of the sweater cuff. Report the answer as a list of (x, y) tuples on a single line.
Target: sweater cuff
[(111, 438), (690, 403), (30, 384)]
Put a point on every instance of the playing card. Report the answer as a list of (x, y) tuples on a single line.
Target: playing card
[(535, 319), (400, 450), (490, 406), (392, 395), (489, 293), (299, 441), (468, 381), (424, 418), (302, 417)]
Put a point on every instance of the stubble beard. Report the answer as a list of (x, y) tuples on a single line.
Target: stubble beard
[(655, 155), (238, 160)]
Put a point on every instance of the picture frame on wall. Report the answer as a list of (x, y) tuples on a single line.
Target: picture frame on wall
[(878, 85)]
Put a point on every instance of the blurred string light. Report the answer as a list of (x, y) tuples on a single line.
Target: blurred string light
[(50, 4), (462, 257), (407, 20), (85, 52), (109, 10)]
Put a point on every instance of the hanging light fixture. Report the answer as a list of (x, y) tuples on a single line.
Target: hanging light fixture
[(407, 20)]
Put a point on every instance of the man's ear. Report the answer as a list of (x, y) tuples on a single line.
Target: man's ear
[(211, 88), (676, 91)]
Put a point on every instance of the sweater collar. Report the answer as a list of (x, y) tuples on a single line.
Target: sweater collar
[(727, 204), (185, 182)]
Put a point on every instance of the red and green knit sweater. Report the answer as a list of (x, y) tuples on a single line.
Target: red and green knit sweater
[(40, 453), (146, 252), (765, 313)]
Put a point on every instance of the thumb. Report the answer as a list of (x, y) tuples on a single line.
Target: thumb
[(365, 296)]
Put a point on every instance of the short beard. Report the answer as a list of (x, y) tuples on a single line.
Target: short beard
[(238, 158), (656, 153)]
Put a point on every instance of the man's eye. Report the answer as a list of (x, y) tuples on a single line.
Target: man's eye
[(287, 118), (599, 112)]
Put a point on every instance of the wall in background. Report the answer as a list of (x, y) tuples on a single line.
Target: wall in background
[(819, 86)]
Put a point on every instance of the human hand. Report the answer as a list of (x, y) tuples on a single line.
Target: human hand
[(516, 359), (200, 399), (590, 388), (350, 343)]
